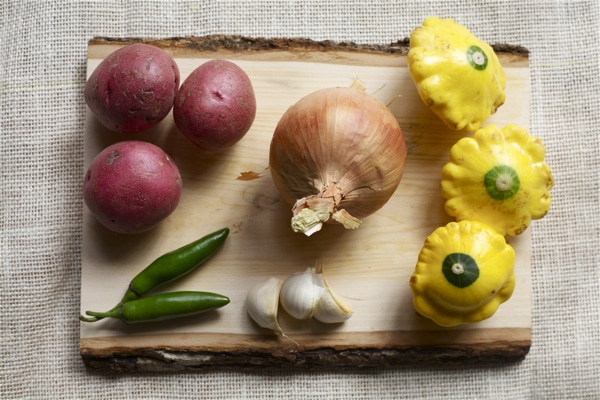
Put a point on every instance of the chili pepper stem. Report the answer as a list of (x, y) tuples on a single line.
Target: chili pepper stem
[(95, 317), (114, 313), (89, 319), (128, 296)]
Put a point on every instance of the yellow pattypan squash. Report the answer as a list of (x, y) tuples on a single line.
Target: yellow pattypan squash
[(498, 177), (463, 273), (457, 75)]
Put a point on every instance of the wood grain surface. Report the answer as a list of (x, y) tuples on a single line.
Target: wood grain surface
[(368, 267)]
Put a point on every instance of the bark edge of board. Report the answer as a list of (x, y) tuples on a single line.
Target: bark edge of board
[(166, 360), (237, 43)]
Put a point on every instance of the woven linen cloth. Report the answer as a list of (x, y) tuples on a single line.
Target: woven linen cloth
[(42, 113)]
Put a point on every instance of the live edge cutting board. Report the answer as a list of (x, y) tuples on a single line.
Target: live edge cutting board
[(368, 267)]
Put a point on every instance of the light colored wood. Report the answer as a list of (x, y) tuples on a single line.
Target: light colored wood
[(369, 267)]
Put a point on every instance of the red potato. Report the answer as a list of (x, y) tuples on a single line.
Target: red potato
[(215, 106), (133, 89), (131, 186)]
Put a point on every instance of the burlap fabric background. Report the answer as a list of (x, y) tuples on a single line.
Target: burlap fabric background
[(42, 73)]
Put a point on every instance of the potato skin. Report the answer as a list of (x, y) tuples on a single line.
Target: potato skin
[(133, 88), (131, 186), (215, 106)]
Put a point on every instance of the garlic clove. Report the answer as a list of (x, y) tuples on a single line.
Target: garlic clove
[(300, 294), (262, 302), (330, 308)]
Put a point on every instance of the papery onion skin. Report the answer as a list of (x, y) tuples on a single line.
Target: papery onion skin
[(341, 144)]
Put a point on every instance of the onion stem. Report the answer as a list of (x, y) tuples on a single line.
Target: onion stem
[(307, 221)]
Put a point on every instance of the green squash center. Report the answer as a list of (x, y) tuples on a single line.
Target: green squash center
[(460, 269), (502, 182), (477, 58)]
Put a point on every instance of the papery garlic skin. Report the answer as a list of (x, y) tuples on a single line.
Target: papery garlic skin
[(338, 152), (300, 294), (262, 303)]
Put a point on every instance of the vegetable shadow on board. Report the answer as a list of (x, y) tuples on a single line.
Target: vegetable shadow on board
[(192, 164), (121, 245)]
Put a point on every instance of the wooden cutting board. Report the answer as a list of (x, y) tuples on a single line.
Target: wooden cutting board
[(368, 267)]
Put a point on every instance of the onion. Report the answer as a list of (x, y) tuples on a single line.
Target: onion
[(336, 156)]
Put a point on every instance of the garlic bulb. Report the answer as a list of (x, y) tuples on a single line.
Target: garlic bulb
[(303, 295), (336, 156), (262, 302)]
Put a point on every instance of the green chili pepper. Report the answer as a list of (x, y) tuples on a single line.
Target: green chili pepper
[(164, 306), (175, 264), (171, 266)]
